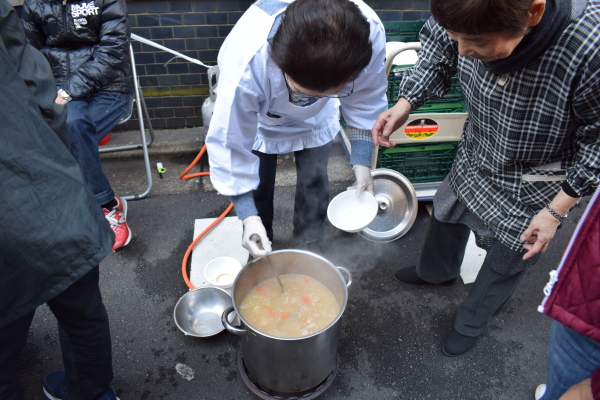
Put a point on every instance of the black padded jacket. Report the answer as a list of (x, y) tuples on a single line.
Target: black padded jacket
[(45, 246), (86, 43)]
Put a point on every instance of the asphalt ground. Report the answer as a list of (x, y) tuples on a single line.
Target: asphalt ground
[(390, 340)]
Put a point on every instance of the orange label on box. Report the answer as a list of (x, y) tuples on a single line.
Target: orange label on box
[(421, 129)]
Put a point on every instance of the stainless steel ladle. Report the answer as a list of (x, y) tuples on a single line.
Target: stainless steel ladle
[(256, 238)]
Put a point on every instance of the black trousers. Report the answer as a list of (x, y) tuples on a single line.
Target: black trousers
[(312, 192), (84, 337), (441, 258)]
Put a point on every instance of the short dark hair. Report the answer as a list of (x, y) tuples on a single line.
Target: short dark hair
[(482, 16), (322, 44)]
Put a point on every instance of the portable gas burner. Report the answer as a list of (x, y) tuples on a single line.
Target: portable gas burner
[(269, 394)]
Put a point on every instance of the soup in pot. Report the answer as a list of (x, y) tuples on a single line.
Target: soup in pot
[(304, 307)]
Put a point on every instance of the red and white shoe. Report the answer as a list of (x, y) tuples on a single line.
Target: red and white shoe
[(117, 218)]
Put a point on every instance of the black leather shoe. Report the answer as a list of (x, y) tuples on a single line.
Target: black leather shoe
[(456, 344), (409, 276)]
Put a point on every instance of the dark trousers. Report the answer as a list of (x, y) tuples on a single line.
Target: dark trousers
[(84, 337), (441, 258), (312, 192)]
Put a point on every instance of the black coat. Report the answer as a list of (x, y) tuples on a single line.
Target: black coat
[(52, 230), (85, 41)]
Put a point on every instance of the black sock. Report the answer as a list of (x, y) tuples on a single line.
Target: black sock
[(111, 204)]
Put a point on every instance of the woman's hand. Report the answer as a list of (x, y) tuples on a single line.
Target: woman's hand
[(540, 232), (389, 121), (543, 226)]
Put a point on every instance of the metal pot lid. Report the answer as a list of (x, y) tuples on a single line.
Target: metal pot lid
[(398, 206)]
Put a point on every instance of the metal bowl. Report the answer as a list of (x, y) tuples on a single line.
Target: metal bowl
[(198, 312), (398, 206)]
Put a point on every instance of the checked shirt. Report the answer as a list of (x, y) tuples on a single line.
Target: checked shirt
[(527, 130)]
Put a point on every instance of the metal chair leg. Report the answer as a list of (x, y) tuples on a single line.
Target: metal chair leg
[(142, 114)]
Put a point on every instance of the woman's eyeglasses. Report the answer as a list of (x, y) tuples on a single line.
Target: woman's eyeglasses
[(301, 95)]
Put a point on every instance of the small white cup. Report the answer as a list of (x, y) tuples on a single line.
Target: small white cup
[(222, 271)]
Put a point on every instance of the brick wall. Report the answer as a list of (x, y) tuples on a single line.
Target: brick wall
[(175, 89)]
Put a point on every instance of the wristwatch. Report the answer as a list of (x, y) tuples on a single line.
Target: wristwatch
[(556, 215), (64, 95)]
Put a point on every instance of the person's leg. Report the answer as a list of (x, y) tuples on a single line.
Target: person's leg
[(488, 293), (571, 359), (264, 193), (312, 193), (85, 337), (12, 338), (106, 109), (84, 147), (89, 120), (491, 290), (443, 251)]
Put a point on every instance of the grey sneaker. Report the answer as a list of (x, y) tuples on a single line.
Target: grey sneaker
[(539, 391)]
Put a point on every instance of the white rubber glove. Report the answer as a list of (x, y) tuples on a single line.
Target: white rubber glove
[(364, 180), (255, 238)]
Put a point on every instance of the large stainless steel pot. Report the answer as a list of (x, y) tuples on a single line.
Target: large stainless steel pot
[(289, 365)]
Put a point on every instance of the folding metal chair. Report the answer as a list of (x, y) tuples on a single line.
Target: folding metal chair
[(142, 113)]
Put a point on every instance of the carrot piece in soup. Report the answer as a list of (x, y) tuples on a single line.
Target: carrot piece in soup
[(271, 312)]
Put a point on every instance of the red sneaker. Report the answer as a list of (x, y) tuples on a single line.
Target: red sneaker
[(117, 217)]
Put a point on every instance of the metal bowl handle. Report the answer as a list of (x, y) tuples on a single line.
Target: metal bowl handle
[(347, 276), (230, 328)]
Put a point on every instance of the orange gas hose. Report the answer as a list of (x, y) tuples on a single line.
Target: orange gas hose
[(198, 157), (185, 175)]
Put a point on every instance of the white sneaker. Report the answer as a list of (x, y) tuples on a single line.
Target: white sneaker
[(539, 391)]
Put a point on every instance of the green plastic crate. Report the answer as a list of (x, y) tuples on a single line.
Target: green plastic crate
[(453, 95), (441, 107), (408, 31), (429, 162), (394, 80), (403, 31), (454, 107)]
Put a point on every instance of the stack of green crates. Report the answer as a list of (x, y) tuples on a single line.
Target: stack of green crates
[(408, 31), (419, 162), (452, 101), (403, 31)]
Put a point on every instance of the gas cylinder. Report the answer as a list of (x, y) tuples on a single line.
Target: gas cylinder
[(209, 104)]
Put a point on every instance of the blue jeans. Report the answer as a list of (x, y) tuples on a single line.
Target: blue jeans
[(572, 358), (88, 121)]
